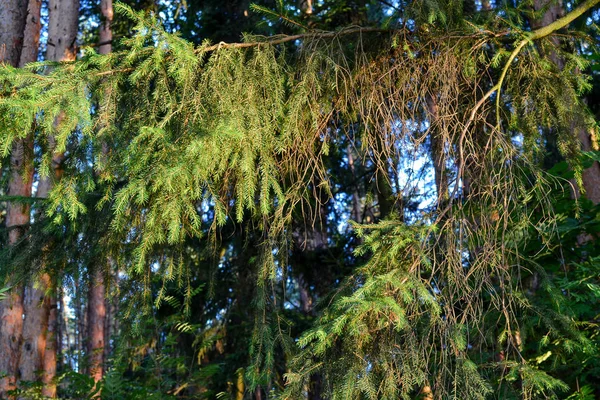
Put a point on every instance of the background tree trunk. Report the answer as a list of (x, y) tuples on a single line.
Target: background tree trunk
[(13, 15), (97, 290), (35, 323), (35, 326), (63, 25), (96, 316), (19, 38), (31, 39), (591, 175), (62, 30), (50, 354), (437, 150)]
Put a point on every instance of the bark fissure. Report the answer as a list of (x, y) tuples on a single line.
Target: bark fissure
[(19, 39)]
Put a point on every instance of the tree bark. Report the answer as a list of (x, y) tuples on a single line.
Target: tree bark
[(18, 45), (438, 154), (10, 339), (591, 175), (36, 307), (50, 354), (96, 316), (12, 30), (62, 33), (31, 39), (96, 293), (36, 316), (11, 309), (105, 34), (62, 30)]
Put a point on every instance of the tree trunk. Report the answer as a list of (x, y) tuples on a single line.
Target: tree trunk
[(18, 41), (77, 324), (62, 30), (105, 35), (35, 323), (50, 355), (96, 316), (62, 33), (10, 340), (36, 306), (356, 213), (11, 309), (13, 15), (64, 338), (39, 347), (591, 175), (31, 39), (438, 154), (96, 293), (311, 241), (384, 194)]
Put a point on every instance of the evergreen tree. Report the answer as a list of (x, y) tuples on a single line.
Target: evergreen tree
[(218, 180)]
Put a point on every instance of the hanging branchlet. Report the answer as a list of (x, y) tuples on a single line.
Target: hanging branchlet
[(195, 138)]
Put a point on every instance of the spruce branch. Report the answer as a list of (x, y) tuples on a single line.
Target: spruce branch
[(275, 40), (529, 37)]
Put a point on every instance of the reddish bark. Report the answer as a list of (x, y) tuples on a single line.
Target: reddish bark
[(49, 362), (96, 294), (96, 317), (62, 34), (18, 38), (36, 307)]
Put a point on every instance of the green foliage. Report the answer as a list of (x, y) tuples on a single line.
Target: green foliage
[(372, 332), (176, 148)]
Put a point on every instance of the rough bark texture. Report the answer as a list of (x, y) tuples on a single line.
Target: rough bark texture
[(591, 175), (62, 30), (96, 293), (35, 326), (96, 316), (108, 326), (553, 12), (14, 36), (105, 35), (21, 176), (62, 33), (39, 352), (33, 26), (10, 339), (427, 393), (306, 6), (12, 30), (50, 354)]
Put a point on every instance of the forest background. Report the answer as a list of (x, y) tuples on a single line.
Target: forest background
[(318, 199)]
